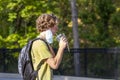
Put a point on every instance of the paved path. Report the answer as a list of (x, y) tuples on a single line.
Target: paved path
[(8, 79), (9, 76)]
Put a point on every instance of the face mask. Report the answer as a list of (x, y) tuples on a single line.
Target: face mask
[(49, 36)]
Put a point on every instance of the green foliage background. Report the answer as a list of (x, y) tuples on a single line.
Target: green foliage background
[(99, 25)]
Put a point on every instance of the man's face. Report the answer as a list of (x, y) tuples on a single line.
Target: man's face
[(54, 29)]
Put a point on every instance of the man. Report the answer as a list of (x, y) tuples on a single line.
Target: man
[(47, 26)]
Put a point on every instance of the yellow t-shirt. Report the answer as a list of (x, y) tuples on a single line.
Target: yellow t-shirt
[(39, 52)]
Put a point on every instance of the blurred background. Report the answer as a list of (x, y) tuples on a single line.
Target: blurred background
[(91, 26)]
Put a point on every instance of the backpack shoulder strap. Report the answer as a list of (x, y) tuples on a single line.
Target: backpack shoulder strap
[(41, 62), (42, 40), (45, 43)]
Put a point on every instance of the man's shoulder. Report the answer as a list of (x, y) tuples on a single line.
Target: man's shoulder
[(39, 42)]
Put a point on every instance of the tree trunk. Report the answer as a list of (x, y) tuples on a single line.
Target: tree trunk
[(75, 37)]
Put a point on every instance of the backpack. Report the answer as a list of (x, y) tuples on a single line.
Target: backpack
[(25, 66)]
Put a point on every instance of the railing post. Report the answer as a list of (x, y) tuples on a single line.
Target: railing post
[(4, 60), (85, 63), (116, 62)]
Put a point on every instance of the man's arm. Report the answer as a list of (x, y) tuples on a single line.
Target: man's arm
[(54, 62)]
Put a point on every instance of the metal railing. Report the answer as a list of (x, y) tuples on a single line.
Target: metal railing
[(7, 54)]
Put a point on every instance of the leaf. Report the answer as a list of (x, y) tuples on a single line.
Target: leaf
[(12, 16)]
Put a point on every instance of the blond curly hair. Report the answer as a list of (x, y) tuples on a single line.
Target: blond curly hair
[(46, 21)]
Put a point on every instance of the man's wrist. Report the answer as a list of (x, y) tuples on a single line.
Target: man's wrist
[(61, 48)]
